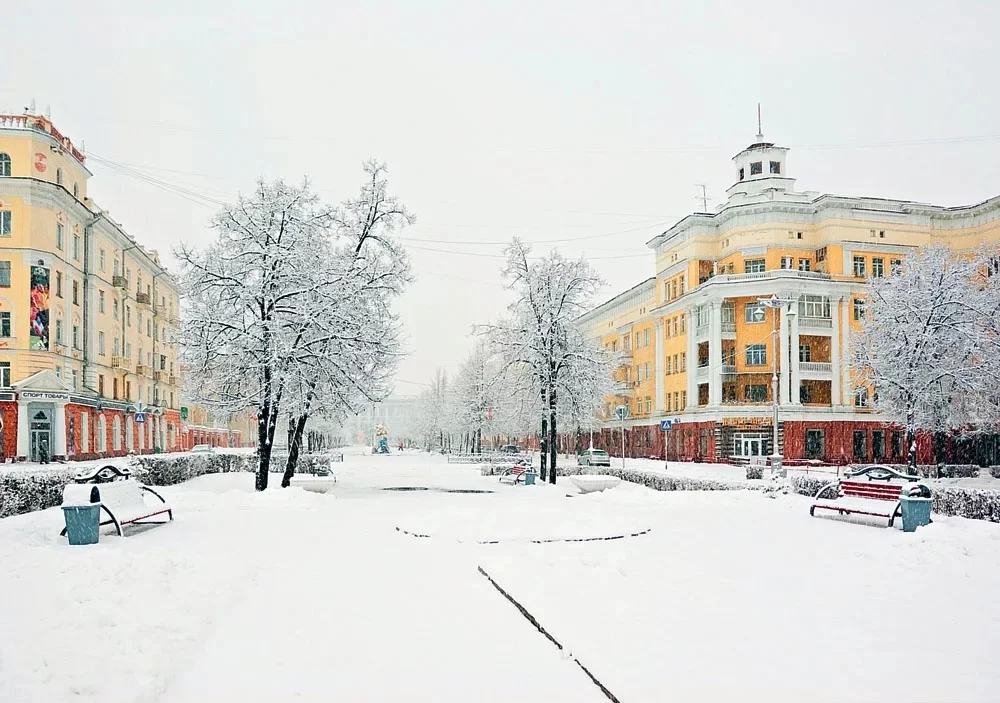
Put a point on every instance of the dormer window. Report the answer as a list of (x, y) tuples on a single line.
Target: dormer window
[(741, 174), (756, 168), (776, 167)]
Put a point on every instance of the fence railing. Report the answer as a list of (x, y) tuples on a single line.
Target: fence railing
[(486, 458)]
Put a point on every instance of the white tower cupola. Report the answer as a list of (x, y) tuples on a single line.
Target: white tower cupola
[(761, 167)]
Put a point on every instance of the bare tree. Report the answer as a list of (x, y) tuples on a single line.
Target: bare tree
[(925, 345), (539, 338)]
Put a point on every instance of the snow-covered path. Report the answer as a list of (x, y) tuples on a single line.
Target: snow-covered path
[(288, 595)]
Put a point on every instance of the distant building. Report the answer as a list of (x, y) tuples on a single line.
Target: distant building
[(397, 414), (88, 316)]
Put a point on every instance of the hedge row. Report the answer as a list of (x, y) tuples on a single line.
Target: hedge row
[(660, 481), (947, 470)]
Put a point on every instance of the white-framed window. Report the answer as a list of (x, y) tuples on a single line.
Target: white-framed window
[(59, 176), (76, 380), (59, 335), (76, 246), (786, 262), (102, 260), (859, 308), (805, 265), (4, 374), (100, 343), (116, 347), (76, 191), (728, 312), (756, 168), (878, 267), (861, 398), (670, 368), (684, 361), (6, 222), (4, 164), (100, 300), (756, 355), (60, 235), (4, 274), (645, 338), (753, 312), (755, 392), (754, 266), (4, 324), (859, 266), (114, 308), (805, 352), (775, 167), (814, 306), (76, 336)]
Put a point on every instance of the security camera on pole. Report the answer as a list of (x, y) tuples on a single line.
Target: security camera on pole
[(785, 305)]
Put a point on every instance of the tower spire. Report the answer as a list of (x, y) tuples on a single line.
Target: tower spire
[(760, 131)]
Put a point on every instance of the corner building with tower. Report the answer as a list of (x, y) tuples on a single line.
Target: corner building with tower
[(696, 346)]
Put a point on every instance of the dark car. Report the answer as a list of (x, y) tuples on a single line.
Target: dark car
[(510, 449)]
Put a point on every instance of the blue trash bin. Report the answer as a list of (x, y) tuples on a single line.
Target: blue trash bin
[(83, 523), (916, 512), (529, 478)]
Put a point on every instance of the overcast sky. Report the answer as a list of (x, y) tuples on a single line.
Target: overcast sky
[(545, 120)]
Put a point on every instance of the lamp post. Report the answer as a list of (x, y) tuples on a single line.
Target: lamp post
[(784, 304)]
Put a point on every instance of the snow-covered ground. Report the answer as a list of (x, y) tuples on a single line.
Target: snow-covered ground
[(292, 595)]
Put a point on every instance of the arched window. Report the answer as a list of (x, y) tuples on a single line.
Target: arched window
[(102, 434), (4, 164), (76, 191), (59, 176), (116, 435)]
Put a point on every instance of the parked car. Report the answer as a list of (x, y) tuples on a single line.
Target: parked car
[(593, 457), (203, 448), (510, 449)]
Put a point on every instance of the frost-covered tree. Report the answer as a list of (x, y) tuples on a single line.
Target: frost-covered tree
[(431, 412), (925, 344), (538, 339)]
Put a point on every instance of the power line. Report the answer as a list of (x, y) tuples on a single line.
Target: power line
[(656, 225)]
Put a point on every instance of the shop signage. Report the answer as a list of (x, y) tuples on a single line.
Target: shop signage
[(40, 395), (746, 421)]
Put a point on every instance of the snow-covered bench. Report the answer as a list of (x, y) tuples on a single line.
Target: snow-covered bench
[(513, 474), (866, 497), (123, 502)]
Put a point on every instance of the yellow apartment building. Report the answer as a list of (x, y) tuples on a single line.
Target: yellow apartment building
[(88, 316), (698, 347)]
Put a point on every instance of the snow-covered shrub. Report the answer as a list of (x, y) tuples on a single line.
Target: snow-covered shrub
[(168, 469), (754, 472), (660, 481), (995, 471), (948, 471), (973, 503), (810, 485), (26, 491), (307, 463)]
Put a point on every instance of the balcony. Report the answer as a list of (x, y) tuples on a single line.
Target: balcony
[(702, 373), (815, 369), (121, 362), (821, 323), (728, 369), (174, 381), (142, 299), (160, 376), (142, 370), (38, 123), (729, 328), (119, 282)]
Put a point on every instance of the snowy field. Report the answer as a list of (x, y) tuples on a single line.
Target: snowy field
[(289, 595)]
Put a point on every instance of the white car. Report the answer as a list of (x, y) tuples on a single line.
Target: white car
[(203, 448)]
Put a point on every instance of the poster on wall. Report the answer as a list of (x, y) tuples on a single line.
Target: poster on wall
[(39, 313)]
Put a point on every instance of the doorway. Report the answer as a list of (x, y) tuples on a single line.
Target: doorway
[(748, 444), (41, 436)]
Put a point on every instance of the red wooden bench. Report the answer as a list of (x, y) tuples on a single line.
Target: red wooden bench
[(514, 474), (864, 497)]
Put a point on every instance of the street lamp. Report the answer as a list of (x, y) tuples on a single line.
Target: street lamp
[(784, 304)]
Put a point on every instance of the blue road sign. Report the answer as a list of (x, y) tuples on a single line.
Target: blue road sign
[(665, 424), (140, 417)]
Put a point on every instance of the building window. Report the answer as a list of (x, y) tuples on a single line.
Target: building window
[(114, 309), (684, 361), (100, 343), (756, 168), (859, 309), (100, 300), (861, 398), (128, 315), (645, 340), (896, 266), (76, 191), (816, 306), (878, 270), (786, 262), (669, 369), (859, 266), (805, 352), (669, 406), (4, 164), (860, 440), (115, 347), (76, 336), (76, 380), (59, 337), (76, 292), (896, 443), (682, 323), (76, 246), (742, 174), (4, 324), (756, 355), (626, 342), (60, 234), (753, 312), (753, 266), (878, 444), (776, 167), (102, 260), (755, 393), (649, 405), (805, 265), (59, 176), (881, 234), (798, 235), (5, 222), (728, 313), (128, 350), (815, 444), (4, 374), (4, 274)]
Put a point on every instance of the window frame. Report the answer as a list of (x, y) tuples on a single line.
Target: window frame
[(6, 164), (755, 354), (748, 313), (6, 320), (756, 168), (774, 168), (6, 223), (859, 266), (5, 267), (754, 265)]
